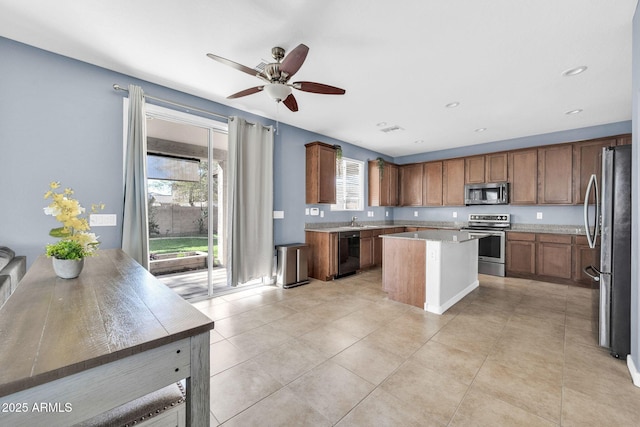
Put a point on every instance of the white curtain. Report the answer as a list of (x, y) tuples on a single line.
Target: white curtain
[(250, 217), (135, 227)]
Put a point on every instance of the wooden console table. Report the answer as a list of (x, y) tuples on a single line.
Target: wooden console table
[(72, 349)]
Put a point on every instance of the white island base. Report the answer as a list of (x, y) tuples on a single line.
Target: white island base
[(430, 269)]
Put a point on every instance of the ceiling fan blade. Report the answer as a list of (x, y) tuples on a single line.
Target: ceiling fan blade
[(318, 88), (235, 65), (246, 92), (291, 103), (293, 61)]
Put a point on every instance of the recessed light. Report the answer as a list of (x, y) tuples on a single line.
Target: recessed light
[(481, 129), (381, 124), (572, 112), (452, 104), (575, 71), (419, 141)]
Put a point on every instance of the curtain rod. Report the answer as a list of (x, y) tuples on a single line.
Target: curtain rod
[(175, 104)]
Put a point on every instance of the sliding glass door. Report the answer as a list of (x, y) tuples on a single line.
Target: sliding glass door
[(186, 163)]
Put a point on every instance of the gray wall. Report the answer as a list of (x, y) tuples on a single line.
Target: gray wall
[(60, 119)]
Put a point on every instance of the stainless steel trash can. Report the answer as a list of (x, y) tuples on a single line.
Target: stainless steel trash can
[(292, 265)]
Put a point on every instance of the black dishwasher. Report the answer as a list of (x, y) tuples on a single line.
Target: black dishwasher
[(348, 252)]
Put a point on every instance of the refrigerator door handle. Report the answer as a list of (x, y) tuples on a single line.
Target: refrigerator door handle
[(591, 269), (593, 183)]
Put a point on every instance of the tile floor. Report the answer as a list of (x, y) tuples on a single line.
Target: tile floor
[(513, 353)]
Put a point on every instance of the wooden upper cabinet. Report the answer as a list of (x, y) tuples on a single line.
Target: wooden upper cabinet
[(587, 160), (320, 173), (432, 184), (523, 177), (453, 182), (624, 139), (487, 168), (411, 184), (555, 175), (474, 170), (495, 167), (383, 184)]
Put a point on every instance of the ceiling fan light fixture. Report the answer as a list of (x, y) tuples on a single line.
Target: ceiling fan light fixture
[(277, 91)]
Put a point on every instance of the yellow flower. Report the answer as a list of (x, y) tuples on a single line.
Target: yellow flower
[(68, 212)]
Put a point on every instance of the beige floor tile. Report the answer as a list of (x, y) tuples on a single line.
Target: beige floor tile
[(259, 340), (272, 312), (290, 360), (329, 340), (237, 388), (381, 409), (237, 324), (467, 335), (551, 302), (580, 336), (546, 314), (298, 324), (282, 408), (533, 393), (214, 336), (222, 310), (480, 313), (223, 355), (479, 409), (547, 326), (400, 343), (331, 390), (461, 365), (579, 409), (431, 395), (370, 362), (359, 323)]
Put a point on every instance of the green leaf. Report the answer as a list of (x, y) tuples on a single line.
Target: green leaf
[(59, 232)]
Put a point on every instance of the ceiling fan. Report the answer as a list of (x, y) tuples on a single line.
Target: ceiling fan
[(277, 74)]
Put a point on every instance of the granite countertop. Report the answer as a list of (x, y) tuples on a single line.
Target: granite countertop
[(445, 236), (577, 230)]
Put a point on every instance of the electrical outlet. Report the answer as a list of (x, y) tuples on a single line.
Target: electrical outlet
[(455, 214), (386, 213), (306, 211), (538, 215), (278, 214), (321, 214), (415, 213)]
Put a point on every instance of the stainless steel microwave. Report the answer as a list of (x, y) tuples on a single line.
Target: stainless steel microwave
[(493, 193)]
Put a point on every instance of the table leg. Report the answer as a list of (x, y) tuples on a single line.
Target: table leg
[(198, 382)]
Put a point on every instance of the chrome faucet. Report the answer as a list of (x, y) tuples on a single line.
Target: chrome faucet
[(353, 221)]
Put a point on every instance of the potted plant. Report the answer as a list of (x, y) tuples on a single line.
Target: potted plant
[(338, 152), (76, 242), (380, 166)]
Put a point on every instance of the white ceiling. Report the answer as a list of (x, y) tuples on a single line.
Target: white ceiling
[(400, 62)]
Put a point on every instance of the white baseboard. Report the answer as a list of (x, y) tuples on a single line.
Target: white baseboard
[(431, 308), (635, 375)]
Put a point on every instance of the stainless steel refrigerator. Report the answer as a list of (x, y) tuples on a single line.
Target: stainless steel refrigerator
[(613, 222)]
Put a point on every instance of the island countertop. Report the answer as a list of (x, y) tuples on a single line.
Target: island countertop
[(444, 236)]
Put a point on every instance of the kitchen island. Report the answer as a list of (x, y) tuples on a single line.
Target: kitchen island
[(431, 269)]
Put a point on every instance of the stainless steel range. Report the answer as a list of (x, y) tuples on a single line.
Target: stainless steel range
[(490, 229)]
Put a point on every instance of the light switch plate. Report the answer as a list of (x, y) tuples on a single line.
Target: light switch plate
[(102, 220), (455, 214), (278, 214), (321, 214), (538, 215), (415, 213)]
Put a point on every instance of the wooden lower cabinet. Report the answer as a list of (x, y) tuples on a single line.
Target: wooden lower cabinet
[(377, 247), (323, 254), (521, 253), (558, 258), (366, 249), (554, 256)]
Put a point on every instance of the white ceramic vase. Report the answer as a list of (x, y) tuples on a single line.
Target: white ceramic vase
[(67, 268)]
